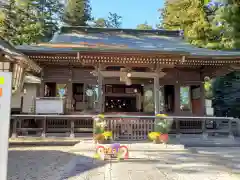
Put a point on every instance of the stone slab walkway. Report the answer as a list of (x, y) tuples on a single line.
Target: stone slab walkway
[(202, 164), (147, 162)]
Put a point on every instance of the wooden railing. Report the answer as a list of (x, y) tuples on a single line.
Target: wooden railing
[(123, 127)]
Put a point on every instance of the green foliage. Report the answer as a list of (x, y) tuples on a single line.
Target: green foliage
[(163, 125), (226, 89), (226, 92), (229, 30), (187, 15), (100, 22), (208, 89), (215, 27), (113, 21), (31, 21), (77, 13), (144, 26)]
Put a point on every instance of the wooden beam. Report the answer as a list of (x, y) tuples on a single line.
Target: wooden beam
[(133, 74)]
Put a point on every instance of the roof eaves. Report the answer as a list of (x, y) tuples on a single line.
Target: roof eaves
[(12, 52)]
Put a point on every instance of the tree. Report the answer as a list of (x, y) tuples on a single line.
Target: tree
[(226, 92), (100, 22), (20, 24), (114, 20), (187, 15), (144, 26), (77, 12), (227, 88), (228, 18), (215, 25), (51, 14), (31, 21)]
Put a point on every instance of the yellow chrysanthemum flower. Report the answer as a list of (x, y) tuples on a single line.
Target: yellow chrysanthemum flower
[(154, 135), (101, 116), (107, 134), (161, 115)]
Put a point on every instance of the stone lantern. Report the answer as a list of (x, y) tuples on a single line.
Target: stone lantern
[(17, 63)]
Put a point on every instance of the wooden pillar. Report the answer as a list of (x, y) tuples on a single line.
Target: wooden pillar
[(69, 92), (161, 99), (177, 110), (100, 91), (14, 131), (42, 85), (72, 135), (44, 127), (156, 95), (202, 99)]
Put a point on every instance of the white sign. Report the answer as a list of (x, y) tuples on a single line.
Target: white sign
[(50, 106), (5, 111)]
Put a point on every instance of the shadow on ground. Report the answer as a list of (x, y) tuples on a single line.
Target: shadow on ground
[(32, 163)]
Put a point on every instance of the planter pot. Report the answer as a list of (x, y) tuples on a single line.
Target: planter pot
[(108, 141), (164, 138), (156, 141), (103, 141), (100, 141)]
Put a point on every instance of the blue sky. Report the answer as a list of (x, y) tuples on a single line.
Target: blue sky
[(133, 12)]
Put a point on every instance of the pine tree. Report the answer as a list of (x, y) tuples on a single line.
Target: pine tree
[(51, 12), (227, 88), (77, 13), (114, 20)]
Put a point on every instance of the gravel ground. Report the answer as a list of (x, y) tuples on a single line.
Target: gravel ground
[(37, 163)]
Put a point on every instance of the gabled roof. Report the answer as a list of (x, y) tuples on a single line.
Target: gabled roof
[(78, 39), (8, 49)]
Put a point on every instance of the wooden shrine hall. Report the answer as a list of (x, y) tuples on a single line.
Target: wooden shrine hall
[(91, 70)]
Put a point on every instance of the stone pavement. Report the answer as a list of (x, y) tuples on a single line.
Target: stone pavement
[(147, 162), (210, 141), (150, 164), (38, 163)]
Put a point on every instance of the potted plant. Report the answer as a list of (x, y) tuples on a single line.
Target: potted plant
[(161, 129), (155, 137), (101, 136), (107, 136)]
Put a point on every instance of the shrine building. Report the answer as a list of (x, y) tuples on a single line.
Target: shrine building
[(98, 70)]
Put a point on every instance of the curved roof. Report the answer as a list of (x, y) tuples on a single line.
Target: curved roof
[(7, 48), (77, 39)]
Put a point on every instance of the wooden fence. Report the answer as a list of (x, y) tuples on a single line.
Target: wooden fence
[(123, 127)]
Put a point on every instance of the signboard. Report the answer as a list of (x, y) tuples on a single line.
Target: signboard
[(115, 150), (50, 106), (5, 109)]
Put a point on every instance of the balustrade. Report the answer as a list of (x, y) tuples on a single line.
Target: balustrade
[(126, 127)]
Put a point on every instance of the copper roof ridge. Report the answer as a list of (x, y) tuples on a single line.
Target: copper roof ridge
[(88, 29)]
